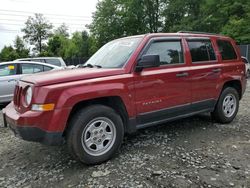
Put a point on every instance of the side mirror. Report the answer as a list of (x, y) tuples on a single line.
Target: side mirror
[(148, 61)]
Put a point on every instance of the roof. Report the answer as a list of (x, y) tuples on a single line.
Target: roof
[(40, 58), (27, 62), (187, 34)]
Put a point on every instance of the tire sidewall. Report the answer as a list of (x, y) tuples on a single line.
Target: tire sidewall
[(219, 107), (86, 116)]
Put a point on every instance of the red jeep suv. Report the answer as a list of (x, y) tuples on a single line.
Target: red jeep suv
[(129, 84)]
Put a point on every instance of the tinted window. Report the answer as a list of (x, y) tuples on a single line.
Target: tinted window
[(7, 70), (226, 49), (201, 50), (170, 52), (46, 68), (53, 62), (31, 68)]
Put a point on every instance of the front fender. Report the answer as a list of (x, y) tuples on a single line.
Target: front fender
[(66, 95), (71, 97)]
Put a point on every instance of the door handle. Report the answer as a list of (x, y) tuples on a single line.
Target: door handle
[(217, 70), (184, 74), (12, 80)]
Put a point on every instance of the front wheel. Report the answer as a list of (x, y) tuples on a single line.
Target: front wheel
[(95, 134), (227, 106)]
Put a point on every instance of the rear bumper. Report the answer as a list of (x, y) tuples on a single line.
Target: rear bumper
[(22, 128)]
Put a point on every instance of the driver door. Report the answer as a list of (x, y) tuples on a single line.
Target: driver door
[(163, 92)]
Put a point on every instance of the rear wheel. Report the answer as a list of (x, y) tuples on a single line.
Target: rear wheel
[(227, 106), (95, 134)]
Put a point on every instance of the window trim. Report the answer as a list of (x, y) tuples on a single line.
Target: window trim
[(202, 39), (163, 39), (235, 50)]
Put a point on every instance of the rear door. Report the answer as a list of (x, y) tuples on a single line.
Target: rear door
[(8, 80), (163, 92), (205, 72)]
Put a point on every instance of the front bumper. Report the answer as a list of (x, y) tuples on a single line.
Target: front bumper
[(16, 123)]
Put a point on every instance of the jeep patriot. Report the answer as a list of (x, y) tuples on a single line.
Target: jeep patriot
[(129, 84)]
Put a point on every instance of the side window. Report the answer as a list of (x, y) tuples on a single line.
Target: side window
[(170, 52), (46, 68), (31, 68), (55, 62), (226, 49), (201, 50), (8, 70)]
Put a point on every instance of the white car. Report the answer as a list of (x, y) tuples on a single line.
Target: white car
[(11, 72), (247, 66), (57, 61)]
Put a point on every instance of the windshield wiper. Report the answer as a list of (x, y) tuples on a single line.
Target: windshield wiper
[(88, 65), (98, 66)]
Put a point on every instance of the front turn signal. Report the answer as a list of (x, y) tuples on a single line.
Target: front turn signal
[(43, 107)]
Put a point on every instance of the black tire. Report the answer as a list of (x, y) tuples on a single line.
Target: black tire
[(79, 125), (218, 114)]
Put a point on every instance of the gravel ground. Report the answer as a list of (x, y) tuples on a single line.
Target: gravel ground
[(193, 152)]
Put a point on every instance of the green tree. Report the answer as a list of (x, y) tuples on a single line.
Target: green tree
[(79, 45), (57, 45), (236, 28), (8, 53), (62, 30), (118, 18), (20, 48), (37, 30)]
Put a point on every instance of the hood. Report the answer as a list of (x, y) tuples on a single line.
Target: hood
[(69, 75)]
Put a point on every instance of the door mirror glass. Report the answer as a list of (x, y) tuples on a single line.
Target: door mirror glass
[(148, 61)]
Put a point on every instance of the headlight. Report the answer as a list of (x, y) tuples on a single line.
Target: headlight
[(28, 96)]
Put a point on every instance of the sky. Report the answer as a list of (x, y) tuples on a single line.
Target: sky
[(14, 13)]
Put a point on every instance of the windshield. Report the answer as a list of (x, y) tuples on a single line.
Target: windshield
[(115, 53)]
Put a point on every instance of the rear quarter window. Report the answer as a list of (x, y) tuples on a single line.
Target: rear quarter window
[(46, 68), (226, 50)]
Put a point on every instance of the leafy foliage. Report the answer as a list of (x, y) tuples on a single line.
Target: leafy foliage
[(20, 47), (62, 30), (118, 18), (8, 53), (37, 30), (19, 50)]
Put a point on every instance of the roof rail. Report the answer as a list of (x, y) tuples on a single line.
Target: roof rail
[(197, 32)]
